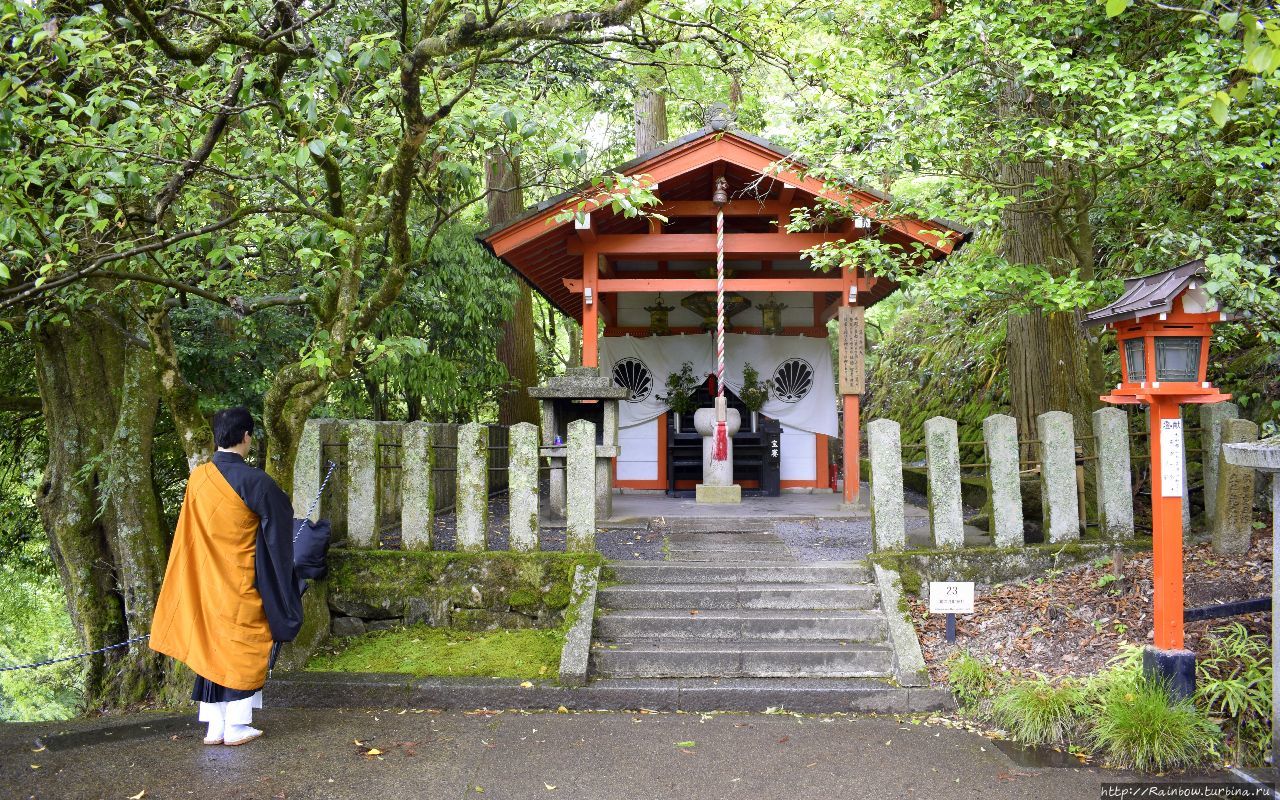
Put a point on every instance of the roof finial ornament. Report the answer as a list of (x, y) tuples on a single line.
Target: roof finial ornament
[(718, 116)]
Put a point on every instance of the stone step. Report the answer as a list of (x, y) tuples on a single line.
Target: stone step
[(660, 658), (742, 625), (803, 695), (739, 571), (696, 556), (690, 596), (724, 537)]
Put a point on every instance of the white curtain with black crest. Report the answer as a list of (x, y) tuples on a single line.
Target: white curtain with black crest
[(796, 369)]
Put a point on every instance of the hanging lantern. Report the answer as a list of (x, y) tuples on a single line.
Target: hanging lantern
[(771, 316), (659, 316)]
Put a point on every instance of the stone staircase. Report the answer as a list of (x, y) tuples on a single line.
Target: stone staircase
[(738, 605)]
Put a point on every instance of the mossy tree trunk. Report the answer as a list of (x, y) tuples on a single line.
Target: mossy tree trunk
[(98, 501), (516, 348)]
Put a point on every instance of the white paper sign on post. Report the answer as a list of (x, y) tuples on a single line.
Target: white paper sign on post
[(950, 597), (1171, 458)]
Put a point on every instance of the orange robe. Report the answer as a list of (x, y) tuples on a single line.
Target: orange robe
[(209, 615)]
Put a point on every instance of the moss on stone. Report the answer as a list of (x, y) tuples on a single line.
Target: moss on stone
[(423, 651)]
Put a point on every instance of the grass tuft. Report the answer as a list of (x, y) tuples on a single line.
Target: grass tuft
[(1040, 711), (972, 679), (1137, 725)]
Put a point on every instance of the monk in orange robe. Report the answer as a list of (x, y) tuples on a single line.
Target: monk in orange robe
[(229, 591)]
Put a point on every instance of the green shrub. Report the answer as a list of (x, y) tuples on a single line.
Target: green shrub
[(1136, 724), (35, 625), (1040, 711), (1233, 683), (972, 679)]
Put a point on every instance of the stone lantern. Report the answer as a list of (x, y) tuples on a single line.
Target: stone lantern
[(1162, 323)]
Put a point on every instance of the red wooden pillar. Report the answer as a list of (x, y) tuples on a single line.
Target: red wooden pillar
[(852, 442), (852, 410), (1166, 528), (590, 310)]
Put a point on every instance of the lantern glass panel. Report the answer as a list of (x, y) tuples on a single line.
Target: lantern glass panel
[(1135, 357), (1178, 358)]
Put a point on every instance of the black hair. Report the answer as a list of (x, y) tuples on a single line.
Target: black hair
[(230, 425)]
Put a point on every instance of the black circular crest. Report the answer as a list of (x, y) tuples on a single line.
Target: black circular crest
[(633, 375), (792, 380)]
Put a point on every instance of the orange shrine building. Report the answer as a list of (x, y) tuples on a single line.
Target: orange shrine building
[(643, 290)]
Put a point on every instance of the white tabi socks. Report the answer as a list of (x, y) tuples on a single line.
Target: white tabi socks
[(239, 715), (229, 722)]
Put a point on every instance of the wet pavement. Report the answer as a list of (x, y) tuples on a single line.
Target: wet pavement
[(390, 754)]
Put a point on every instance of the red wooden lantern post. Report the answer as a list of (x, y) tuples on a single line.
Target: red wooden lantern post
[(1163, 323)]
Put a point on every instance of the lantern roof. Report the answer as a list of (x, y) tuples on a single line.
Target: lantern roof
[(1149, 294)]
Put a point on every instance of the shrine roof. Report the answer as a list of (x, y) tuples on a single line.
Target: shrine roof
[(536, 243)]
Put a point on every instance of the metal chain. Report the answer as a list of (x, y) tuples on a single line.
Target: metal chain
[(78, 655), (145, 636)]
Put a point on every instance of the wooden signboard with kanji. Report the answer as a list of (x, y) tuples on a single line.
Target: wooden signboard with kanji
[(853, 379)]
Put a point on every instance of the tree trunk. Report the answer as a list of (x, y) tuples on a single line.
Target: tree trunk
[(651, 120), (1046, 351), (98, 502), (516, 348)]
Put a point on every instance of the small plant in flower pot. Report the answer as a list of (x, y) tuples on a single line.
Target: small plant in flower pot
[(681, 388), (755, 392)]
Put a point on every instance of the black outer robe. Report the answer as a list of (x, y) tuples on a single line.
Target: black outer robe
[(272, 561)]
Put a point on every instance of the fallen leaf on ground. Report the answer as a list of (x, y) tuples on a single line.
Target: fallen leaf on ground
[(526, 684), (550, 788)]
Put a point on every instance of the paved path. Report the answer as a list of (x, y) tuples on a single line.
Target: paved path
[(583, 756)]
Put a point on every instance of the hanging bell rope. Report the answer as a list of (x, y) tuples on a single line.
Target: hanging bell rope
[(720, 198)]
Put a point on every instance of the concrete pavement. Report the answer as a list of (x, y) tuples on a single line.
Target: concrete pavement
[(585, 756)]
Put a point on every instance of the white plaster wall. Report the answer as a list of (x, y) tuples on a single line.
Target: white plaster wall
[(638, 452), (799, 456)]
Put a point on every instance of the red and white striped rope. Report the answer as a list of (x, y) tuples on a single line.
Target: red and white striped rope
[(719, 302)]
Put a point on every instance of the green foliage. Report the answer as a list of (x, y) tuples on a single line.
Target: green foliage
[(423, 651), (1135, 724), (1233, 684), (1040, 711), (926, 364), (755, 392), (34, 626), (972, 679), (681, 387)]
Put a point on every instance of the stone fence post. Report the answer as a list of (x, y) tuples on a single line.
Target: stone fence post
[(1233, 510), (1212, 415), (473, 487), (580, 501), (942, 454), (522, 485), (1114, 474), (1058, 473), (417, 500), (888, 524), (1000, 432), (363, 513), (309, 467)]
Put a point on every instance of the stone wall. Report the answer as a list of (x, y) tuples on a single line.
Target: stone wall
[(379, 589)]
